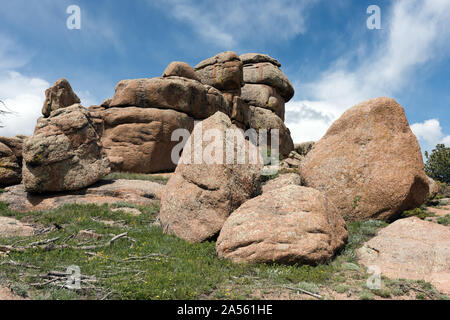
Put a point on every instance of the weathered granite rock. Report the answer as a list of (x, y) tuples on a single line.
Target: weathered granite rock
[(181, 69), (176, 93), (263, 96), (137, 192), (282, 181), (60, 95), (65, 153), (369, 163), (263, 119), (139, 140), (223, 71), (411, 249), (10, 169), (201, 195), (289, 225)]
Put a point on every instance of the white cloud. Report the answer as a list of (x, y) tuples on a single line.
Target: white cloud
[(226, 23), (419, 33), (430, 134), (24, 96)]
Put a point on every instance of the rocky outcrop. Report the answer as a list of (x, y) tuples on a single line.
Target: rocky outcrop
[(175, 93), (263, 119), (262, 69), (180, 69), (10, 169), (289, 225), (369, 163), (411, 249), (223, 72), (139, 139), (65, 153), (201, 195), (60, 95), (138, 192)]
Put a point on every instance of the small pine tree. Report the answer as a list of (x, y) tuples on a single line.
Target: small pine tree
[(438, 164)]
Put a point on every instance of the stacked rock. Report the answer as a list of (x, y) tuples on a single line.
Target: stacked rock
[(225, 73), (267, 90), (143, 114)]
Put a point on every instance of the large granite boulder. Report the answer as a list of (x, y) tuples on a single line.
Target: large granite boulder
[(60, 95), (263, 119), (223, 71), (411, 249), (289, 225), (64, 153), (369, 163), (180, 94), (139, 139), (203, 192)]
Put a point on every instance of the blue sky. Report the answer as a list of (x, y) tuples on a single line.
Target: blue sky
[(331, 57)]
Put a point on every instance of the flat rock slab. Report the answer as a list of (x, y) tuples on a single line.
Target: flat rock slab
[(411, 249), (6, 294), (10, 227), (137, 192)]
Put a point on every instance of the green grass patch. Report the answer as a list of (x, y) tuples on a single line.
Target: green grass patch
[(444, 220), (136, 176), (148, 264), (421, 213)]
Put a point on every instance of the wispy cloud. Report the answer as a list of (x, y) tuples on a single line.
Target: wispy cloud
[(227, 23), (418, 34), (430, 134)]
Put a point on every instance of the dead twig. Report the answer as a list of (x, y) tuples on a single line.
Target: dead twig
[(317, 296)]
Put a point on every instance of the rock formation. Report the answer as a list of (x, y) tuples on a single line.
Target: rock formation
[(290, 225), (64, 153), (266, 91), (369, 163), (139, 139), (60, 95), (200, 196)]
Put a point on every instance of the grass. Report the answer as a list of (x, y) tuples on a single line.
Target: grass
[(444, 220), (421, 213), (148, 264), (137, 176)]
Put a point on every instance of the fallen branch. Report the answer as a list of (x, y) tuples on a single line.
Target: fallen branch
[(317, 296)]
